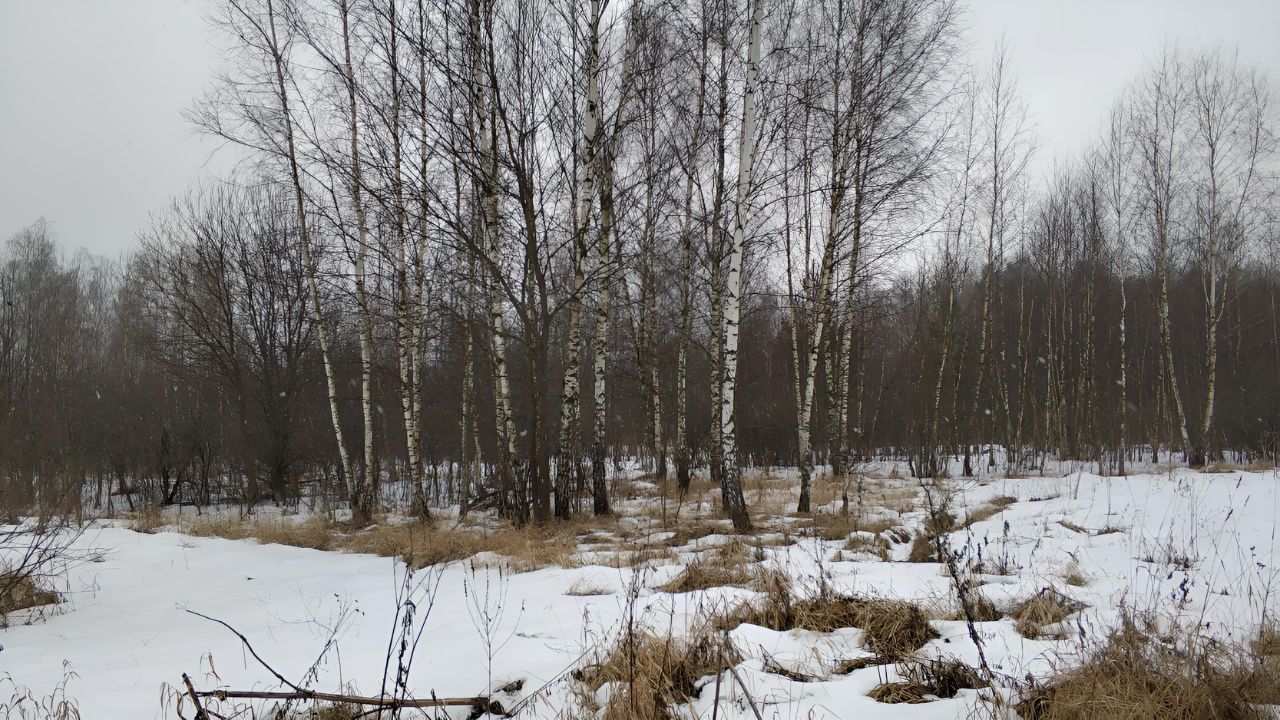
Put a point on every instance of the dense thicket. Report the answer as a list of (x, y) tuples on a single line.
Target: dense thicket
[(488, 247)]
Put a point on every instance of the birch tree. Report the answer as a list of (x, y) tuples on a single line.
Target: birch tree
[(731, 481), (271, 128)]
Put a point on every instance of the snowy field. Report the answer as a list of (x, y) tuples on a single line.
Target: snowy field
[(1194, 548)]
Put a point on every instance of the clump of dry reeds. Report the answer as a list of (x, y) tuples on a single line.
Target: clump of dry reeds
[(925, 679), (709, 572), (19, 591), (891, 628), (420, 544), (1047, 607), (650, 674), (1142, 673)]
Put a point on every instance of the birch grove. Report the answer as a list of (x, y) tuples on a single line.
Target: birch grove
[(524, 256)]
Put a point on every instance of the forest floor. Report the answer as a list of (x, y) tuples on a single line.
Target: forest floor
[(661, 609)]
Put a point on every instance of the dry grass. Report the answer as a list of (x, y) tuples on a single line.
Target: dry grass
[(1073, 527), (685, 535), (1230, 467), (20, 592), (314, 533), (706, 573), (838, 526), (923, 549), (1267, 643), (891, 628), (639, 556), (149, 520), (987, 510), (927, 679), (924, 546), (652, 674), (1141, 674), (844, 667), (588, 587), (874, 545), (1047, 607), (1074, 576), (979, 604), (519, 548)]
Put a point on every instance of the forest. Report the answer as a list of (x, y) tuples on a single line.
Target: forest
[(487, 248)]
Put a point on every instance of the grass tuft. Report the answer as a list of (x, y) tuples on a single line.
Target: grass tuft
[(1140, 673), (651, 674), (20, 592), (891, 628), (924, 680), (707, 573), (1046, 607)]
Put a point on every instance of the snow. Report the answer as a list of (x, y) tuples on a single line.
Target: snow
[(1197, 548)]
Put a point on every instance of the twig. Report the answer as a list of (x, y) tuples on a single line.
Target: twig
[(195, 698), (249, 647), (747, 693)]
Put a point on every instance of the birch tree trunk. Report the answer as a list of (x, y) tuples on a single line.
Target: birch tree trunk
[(570, 395), (731, 482), (486, 128), (404, 305), (715, 253), (360, 505), (686, 266), (599, 487), (362, 249), (604, 240)]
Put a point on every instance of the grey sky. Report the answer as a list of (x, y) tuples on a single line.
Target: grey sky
[(1073, 58), (91, 92)]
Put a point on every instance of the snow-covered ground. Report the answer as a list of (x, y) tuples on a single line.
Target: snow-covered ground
[(1197, 547)]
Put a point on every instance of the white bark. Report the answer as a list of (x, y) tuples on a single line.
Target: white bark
[(362, 251), (731, 483), (308, 259), (571, 393)]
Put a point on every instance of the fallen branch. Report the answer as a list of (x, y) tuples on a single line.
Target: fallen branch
[(483, 704)]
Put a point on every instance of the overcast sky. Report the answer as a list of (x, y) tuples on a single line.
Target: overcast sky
[(92, 91)]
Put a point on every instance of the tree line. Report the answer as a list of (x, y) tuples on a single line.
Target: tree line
[(478, 251)]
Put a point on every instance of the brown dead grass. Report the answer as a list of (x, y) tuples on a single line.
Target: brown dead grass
[(924, 548), (1074, 576), (987, 510), (980, 606), (587, 587), (838, 526), (891, 628), (1047, 607), (927, 679), (1230, 467), (1267, 643), (706, 573), (314, 533), (520, 548), (652, 674), (149, 520), (639, 556), (20, 592), (871, 544), (1139, 673), (685, 535)]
